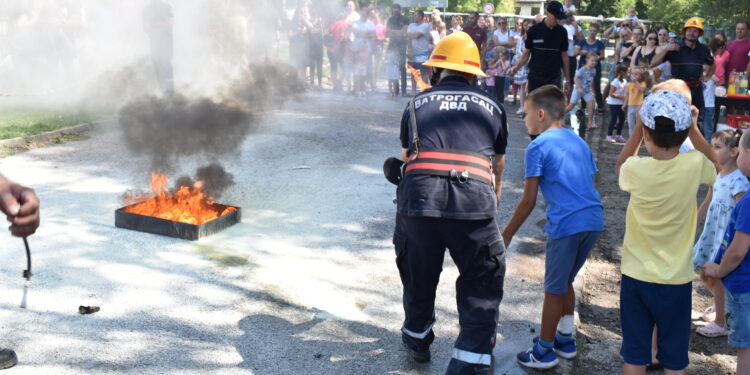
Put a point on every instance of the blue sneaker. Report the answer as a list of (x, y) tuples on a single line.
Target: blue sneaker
[(538, 357), (565, 345)]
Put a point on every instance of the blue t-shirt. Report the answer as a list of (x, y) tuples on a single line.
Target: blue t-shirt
[(565, 167), (595, 48), (738, 281), (586, 77)]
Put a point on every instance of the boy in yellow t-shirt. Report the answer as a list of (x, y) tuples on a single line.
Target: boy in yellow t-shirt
[(656, 287)]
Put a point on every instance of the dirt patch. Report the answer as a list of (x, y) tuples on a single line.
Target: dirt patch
[(599, 332)]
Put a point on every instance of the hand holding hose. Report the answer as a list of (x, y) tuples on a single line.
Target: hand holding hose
[(21, 206)]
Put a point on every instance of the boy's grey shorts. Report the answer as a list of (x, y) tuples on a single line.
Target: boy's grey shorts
[(565, 257)]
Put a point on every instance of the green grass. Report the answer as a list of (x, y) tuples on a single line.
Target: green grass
[(23, 122)]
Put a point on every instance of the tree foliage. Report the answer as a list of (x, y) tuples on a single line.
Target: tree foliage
[(717, 13), (673, 13), (501, 6)]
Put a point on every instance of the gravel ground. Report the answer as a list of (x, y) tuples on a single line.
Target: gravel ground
[(305, 284)]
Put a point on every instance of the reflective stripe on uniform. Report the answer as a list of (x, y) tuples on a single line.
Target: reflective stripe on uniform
[(416, 335), (454, 155), (469, 357), (460, 93), (451, 163)]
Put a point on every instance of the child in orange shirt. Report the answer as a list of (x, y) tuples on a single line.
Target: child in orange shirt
[(634, 93)]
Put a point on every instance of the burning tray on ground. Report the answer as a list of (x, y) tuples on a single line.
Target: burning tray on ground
[(155, 225)]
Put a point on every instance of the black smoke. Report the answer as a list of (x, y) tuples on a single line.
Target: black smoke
[(165, 129), (168, 129), (215, 180)]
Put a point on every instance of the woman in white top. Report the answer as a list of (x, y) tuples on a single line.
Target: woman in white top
[(502, 36), (456, 24), (437, 31), (615, 100)]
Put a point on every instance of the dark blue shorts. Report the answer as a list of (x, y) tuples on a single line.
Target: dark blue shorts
[(644, 305), (738, 321), (565, 257)]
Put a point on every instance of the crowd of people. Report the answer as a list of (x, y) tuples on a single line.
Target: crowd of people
[(364, 45), (663, 84)]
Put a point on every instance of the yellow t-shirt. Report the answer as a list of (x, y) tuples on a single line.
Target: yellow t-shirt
[(635, 95), (661, 215)]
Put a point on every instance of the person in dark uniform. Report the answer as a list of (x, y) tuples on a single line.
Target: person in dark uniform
[(157, 21), (453, 138), (687, 59), (546, 51)]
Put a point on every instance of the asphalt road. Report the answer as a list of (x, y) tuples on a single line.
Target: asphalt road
[(306, 284)]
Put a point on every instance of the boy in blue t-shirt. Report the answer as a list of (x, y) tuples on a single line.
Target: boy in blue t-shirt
[(560, 164), (732, 265)]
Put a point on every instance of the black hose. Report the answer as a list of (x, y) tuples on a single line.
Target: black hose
[(27, 271)]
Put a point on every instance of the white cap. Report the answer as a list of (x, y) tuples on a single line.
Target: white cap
[(667, 104)]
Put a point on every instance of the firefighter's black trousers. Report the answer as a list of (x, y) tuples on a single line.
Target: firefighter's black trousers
[(479, 253)]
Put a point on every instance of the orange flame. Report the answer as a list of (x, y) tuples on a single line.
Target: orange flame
[(188, 204), (418, 78)]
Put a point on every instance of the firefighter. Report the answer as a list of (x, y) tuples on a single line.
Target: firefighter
[(453, 139)]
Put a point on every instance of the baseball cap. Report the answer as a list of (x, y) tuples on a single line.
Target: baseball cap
[(556, 9), (668, 104)]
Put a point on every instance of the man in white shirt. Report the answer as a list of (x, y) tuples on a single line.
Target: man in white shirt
[(418, 34), (363, 32), (574, 34)]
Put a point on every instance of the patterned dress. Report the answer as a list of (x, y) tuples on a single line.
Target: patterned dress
[(724, 190)]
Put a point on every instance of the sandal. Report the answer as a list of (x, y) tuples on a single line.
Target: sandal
[(709, 315), (712, 330)]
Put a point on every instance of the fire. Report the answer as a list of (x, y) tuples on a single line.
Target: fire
[(418, 77), (189, 204)]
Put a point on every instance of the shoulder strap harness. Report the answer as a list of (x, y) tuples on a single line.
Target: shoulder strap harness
[(458, 165)]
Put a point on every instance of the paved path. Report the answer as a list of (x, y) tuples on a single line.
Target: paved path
[(306, 284)]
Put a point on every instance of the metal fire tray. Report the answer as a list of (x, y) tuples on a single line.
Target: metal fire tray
[(176, 229)]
